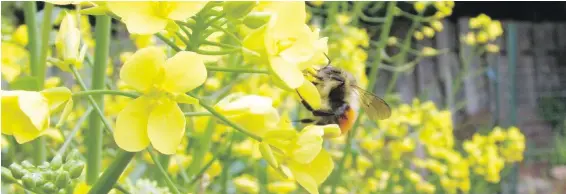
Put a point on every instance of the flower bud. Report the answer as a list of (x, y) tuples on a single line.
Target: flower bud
[(44, 166), (48, 175), (56, 162), (419, 6), (492, 48), (72, 156), (429, 51), (17, 170), (265, 150), (238, 9), (437, 25), (27, 165), (68, 42), (392, 41), (62, 179), (428, 32), (257, 19), (418, 35), (7, 175), (31, 180), (49, 187), (76, 169)]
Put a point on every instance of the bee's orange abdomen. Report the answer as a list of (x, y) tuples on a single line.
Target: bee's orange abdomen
[(347, 120)]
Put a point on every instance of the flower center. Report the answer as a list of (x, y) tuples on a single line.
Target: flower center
[(163, 9)]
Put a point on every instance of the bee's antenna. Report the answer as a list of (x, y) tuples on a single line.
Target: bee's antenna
[(329, 61)]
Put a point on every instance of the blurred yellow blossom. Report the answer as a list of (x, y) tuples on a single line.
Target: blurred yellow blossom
[(255, 113), (20, 36), (14, 58)]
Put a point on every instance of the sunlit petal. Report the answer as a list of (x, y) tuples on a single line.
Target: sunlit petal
[(145, 24), (288, 73), (131, 125), (56, 96), (184, 72), (35, 106), (142, 68), (126, 9), (184, 10), (166, 127)]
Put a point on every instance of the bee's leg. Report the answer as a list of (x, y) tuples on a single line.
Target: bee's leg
[(315, 112), (305, 121)]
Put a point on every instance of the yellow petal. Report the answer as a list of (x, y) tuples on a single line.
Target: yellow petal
[(332, 131), (166, 127), (145, 24), (259, 44), (143, 68), (289, 23), (318, 170), (56, 96), (125, 9), (184, 10), (310, 94), (305, 180), (288, 73), (35, 106), (131, 125), (267, 154), (184, 72), (309, 144)]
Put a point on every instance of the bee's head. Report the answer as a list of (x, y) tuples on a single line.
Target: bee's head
[(332, 77)]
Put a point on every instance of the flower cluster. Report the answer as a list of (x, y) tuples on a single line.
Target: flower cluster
[(484, 31)]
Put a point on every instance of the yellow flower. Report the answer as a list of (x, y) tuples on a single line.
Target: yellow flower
[(68, 42), (152, 17), (418, 35), (20, 36), (282, 186), (29, 111), (52, 82), (492, 48), (494, 30), (470, 39), (482, 37), (254, 113), (142, 41), (391, 41), (13, 58), (429, 51), (285, 43), (428, 31), (420, 6), (437, 25), (155, 116), (302, 152), (246, 184), (425, 187)]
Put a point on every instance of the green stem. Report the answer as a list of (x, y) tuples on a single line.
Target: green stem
[(236, 70), (373, 77), (74, 131), (102, 92), (95, 131), (221, 52), (168, 42), (233, 36), (219, 44), (226, 120), (45, 32), (404, 49), (37, 69), (197, 114), (106, 182), (168, 180), (204, 142)]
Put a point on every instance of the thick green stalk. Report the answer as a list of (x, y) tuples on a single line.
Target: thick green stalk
[(204, 142), (373, 77), (37, 69), (95, 131), (45, 33), (111, 175)]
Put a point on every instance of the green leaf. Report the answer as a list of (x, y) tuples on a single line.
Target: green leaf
[(28, 83)]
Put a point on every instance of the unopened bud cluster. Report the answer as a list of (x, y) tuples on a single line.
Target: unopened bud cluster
[(49, 177)]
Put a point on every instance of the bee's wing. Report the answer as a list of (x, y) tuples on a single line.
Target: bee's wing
[(375, 107)]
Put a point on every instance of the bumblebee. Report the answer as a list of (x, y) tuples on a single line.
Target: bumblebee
[(341, 98)]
